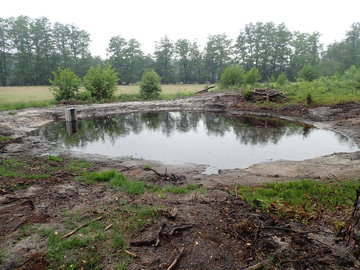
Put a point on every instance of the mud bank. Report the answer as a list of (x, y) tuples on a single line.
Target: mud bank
[(341, 118)]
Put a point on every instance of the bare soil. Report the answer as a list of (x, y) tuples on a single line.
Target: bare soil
[(211, 230)]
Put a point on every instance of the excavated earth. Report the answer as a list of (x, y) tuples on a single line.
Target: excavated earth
[(214, 230)]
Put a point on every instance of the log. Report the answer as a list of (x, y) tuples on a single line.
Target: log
[(70, 114), (205, 90)]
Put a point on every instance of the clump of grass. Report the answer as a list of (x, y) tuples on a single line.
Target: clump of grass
[(3, 139), (55, 158), (301, 198), (102, 176), (129, 186)]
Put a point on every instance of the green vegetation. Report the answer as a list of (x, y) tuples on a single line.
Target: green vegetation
[(150, 85), (55, 158), (3, 139), (101, 82), (65, 84), (300, 199), (85, 248), (14, 167)]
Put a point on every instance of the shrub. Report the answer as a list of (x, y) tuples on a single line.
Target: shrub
[(252, 76), (65, 84), (150, 85), (233, 76), (282, 79), (101, 82), (351, 77), (308, 73)]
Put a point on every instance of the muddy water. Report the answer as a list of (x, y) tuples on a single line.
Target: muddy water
[(220, 141)]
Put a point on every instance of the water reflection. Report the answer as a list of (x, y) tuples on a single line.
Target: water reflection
[(208, 138), (248, 129)]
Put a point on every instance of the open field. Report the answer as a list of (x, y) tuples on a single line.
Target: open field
[(19, 97)]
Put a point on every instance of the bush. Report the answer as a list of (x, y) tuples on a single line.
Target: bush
[(150, 85), (282, 79), (351, 77), (308, 73), (233, 76), (101, 82), (65, 84), (252, 76)]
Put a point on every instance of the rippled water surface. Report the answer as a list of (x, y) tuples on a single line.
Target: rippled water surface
[(220, 141)]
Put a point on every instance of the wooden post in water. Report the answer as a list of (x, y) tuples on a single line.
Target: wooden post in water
[(70, 114), (71, 120)]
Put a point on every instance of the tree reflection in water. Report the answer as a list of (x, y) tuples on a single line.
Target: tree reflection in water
[(252, 130)]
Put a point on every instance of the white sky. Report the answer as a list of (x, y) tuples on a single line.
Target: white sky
[(149, 20)]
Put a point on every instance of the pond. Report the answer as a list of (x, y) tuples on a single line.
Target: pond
[(217, 140)]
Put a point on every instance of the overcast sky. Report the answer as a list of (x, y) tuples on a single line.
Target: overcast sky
[(149, 20)]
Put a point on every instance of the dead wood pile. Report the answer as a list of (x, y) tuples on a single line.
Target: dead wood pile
[(267, 94)]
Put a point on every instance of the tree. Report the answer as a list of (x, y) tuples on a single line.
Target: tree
[(217, 55), (233, 76), (164, 50), (150, 85), (65, 84), (127, 59), (101, 82)]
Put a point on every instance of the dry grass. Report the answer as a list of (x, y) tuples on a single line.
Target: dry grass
[(15, 94)]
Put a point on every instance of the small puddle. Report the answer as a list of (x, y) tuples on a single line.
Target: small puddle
[(217, 140)]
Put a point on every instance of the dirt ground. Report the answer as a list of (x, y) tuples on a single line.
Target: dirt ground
[(198, 230)]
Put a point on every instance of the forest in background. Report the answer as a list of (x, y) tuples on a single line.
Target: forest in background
[(30, 49)]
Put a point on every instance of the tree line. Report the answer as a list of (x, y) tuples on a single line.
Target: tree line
[(30, 49)]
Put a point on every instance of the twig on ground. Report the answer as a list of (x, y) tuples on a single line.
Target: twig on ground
[(82, 226), (175, 261)]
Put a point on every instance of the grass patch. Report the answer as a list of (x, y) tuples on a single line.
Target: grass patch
[(78, 166), (86, 248), (13, 168), (3, 139), (300, 199), (102, 176), (181, 189), (55, 158)]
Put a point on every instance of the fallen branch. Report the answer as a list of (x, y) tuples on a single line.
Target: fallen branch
[(158, 234), (165, 176), (131, 253), (108, 227), (175, 261), (205, 90), (180, 228), (78, 228)]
